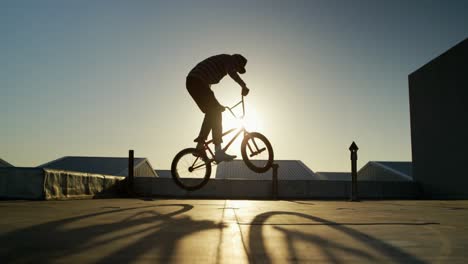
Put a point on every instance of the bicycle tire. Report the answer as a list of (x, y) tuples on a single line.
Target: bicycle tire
[(189, 184), (259, 166)]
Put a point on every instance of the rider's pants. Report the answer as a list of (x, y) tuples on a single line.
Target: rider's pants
[(208, 104)]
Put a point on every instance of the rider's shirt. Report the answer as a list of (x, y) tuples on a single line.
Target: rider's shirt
[(214, 68)]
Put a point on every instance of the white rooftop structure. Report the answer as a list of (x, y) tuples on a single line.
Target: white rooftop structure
[(288, 170), (116, 166), (386, 171)]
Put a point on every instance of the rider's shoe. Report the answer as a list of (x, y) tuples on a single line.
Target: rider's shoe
[(200, 151), (220, 155), (200, 146)]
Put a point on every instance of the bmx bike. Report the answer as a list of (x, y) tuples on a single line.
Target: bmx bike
[(191, 168)]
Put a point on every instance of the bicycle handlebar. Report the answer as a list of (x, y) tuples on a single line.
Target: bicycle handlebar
[(243, 108)]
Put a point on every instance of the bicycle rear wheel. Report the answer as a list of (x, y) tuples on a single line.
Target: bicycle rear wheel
[(257, 152), (189, 171)]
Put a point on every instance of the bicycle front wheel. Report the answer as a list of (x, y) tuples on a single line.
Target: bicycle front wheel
[(189, 171), (257, 152)]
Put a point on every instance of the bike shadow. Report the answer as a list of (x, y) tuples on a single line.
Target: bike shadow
[(99, 238), (330, 251)]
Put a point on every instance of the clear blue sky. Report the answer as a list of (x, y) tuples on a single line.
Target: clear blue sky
[(97, 78)]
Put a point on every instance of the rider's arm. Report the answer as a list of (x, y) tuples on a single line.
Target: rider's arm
[(237, 78)]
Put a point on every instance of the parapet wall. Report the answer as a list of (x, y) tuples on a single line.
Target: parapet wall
[(21, 183), (287, 189), (47, 184), (66, 184)]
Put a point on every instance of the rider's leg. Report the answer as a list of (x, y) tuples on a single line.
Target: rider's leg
[(213, 122), (217, 130), (208, 104), (201, 93), (204, 131), (213, 119), (217, 127)]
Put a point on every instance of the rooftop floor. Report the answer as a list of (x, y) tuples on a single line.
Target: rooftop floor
[(233, 231)]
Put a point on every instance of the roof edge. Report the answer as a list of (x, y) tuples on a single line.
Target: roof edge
[(55, 160), (144, 160), (332, 172), (392, 170), (439, 56), (6, 163), (305, 167)]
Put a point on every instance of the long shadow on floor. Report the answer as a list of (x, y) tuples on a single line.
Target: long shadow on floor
[(259, 253), (121, 241)]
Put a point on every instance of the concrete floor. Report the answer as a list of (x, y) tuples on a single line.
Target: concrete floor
[(233, 231)]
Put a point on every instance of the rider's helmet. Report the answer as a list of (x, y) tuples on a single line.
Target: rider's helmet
[(241, 61)]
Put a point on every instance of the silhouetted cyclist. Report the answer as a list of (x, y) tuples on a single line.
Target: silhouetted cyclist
[(200, 78)]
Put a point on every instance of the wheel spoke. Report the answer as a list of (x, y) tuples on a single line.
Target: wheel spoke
[(255, 144), (248, 145), (257, 152), (189, 170)]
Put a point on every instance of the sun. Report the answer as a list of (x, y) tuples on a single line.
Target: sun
[(251, 120)]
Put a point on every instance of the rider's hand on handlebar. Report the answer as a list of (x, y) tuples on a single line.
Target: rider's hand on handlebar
[(245, 91), (222, 108)]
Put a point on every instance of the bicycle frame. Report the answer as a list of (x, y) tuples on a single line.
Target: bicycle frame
[(240, 130)]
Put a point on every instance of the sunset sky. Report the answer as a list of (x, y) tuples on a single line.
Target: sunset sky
[(97, 78)]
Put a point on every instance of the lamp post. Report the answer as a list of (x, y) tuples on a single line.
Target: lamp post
[(130, 176), (354, 148), (275, 181)]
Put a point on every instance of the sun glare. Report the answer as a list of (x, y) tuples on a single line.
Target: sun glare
[(251, 120)]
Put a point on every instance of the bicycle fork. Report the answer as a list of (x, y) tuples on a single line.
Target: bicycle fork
[(258, 151)]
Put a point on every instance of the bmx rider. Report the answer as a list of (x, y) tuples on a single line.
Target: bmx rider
[(200, 78)]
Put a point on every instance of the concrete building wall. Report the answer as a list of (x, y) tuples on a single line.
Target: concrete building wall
[(163, 173), (438, 95), (21, 183), (288, 170), (287, 189), (333, 176)]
